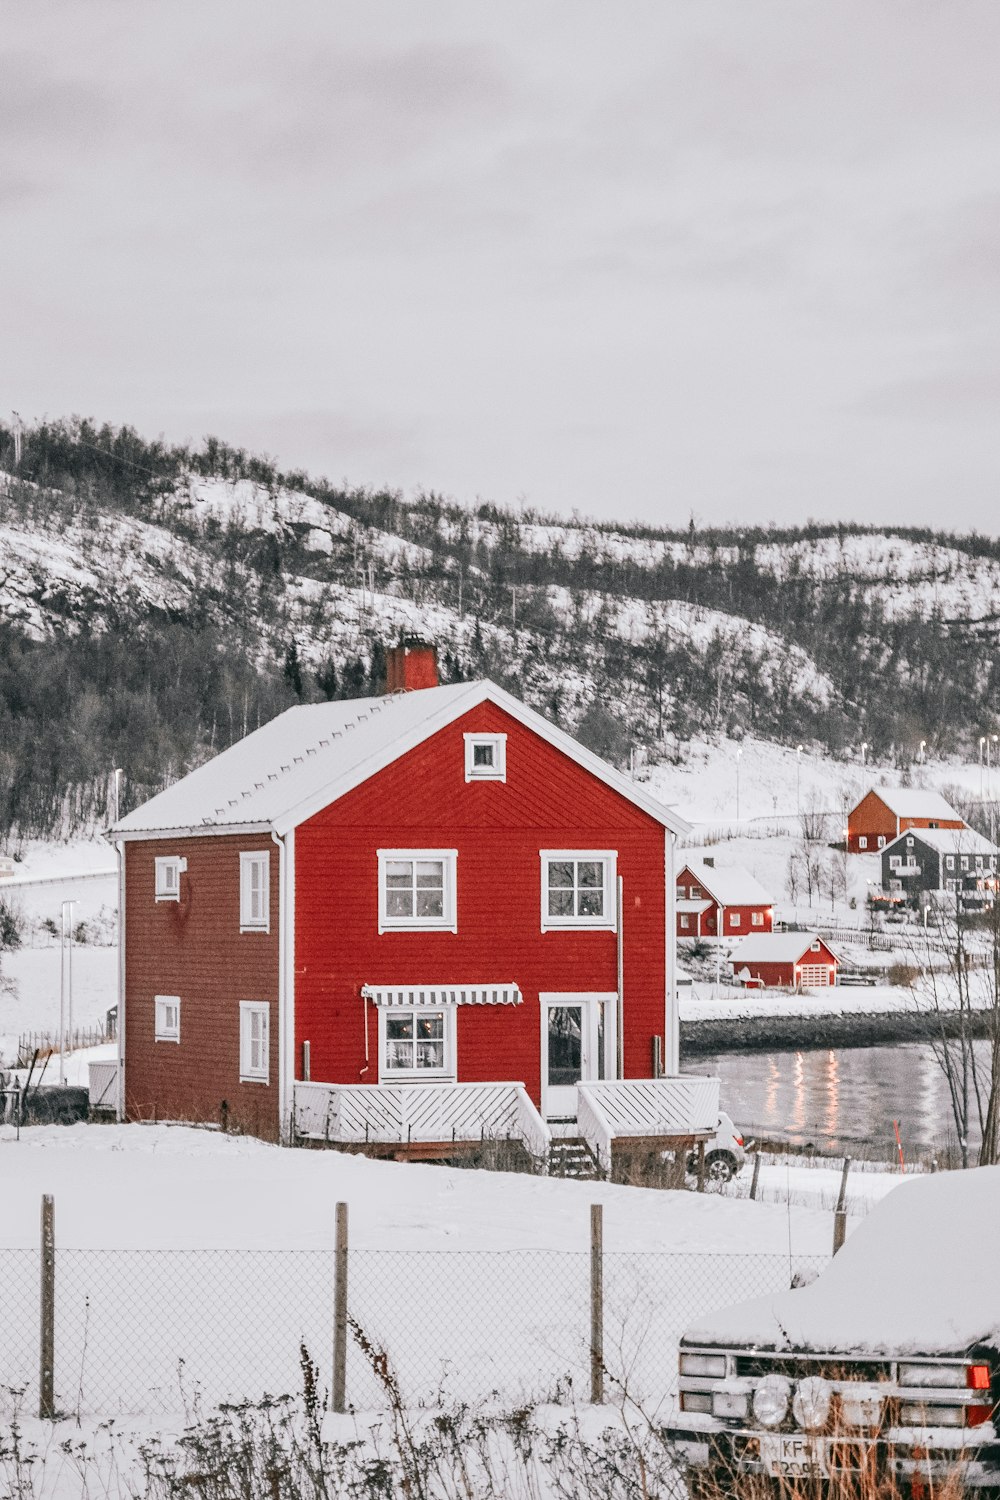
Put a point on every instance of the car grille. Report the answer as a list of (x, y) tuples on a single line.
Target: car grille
[(755, 1366)]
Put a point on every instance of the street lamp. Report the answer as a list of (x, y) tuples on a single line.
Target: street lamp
[(864, 752), (923, 747), (118, 773), (798, 778), (982, 742), (739, 752), (65, 987)]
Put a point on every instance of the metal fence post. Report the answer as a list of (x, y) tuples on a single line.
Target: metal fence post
[(597, 1303), (840, 1213), (340, 1313), (46, 1369)]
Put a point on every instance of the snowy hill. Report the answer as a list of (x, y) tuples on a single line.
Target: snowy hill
[(208, 591)]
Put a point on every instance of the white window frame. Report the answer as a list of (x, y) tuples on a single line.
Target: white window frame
[(685, 922), (448, 921), (953, 885), (949, 861), (734, 919), (249, 920), (248, 1073), (756, 919), (862, 841), (165, 1030), (608, 922), (895, 885), (895, 861), (909, 843), (814, 947), (495, 772), (448, 1070), (881, 840), (168, 869)]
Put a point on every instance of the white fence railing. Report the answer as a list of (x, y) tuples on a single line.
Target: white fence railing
[(666, 1107), (379, 1113)]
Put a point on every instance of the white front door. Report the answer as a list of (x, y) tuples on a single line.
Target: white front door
[(578, 1044)]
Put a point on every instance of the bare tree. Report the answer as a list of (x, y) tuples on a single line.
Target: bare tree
[(959, 991)]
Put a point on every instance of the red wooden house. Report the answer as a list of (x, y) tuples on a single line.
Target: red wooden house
[(883, 814), (785, 960), (410, 920), (720, 902)]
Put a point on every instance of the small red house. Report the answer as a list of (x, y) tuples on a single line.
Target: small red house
[(785, 960), (883, 814), (427, 917), (720, 902)]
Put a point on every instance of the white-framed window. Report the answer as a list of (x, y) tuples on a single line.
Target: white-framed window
[(169, 869), (953, 885), (685, 922), (416, 1041), (949, 861), (979, 861), (255, 1050), (578, 888), (167, 1018), (681, 893), (255, 891), (756, 919), (862, 841), (814, 947), (416, 890), (734, 919), (486, 757), (881, 840), (895, 860), (965, 861), (895, 885), (909, 843)]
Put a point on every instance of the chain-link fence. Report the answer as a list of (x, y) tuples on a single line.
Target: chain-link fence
[(174, 1331)]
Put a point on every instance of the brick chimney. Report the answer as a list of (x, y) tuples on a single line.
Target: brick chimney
[(411, 665)]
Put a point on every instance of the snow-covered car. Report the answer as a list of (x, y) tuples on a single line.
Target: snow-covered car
[(888, 1362), (725, 1153)]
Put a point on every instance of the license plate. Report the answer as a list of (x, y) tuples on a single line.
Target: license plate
[(794, 1457)]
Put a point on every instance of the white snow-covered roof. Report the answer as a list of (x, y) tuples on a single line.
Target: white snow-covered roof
[(946, 840), (776, 947), (688, 907), (286, 771), (897, 1287), (915, 802), (730, 885)]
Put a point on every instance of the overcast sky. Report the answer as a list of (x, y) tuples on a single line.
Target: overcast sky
[(643, 260)]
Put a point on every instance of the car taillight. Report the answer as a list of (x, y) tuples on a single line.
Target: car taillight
[(977, 1377), (739, 1140), (975, 1416)]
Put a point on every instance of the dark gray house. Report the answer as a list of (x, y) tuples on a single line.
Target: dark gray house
[(948, 860)]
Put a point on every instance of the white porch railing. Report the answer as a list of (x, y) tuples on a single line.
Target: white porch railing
[(606, 1112), (391, 1113), (102, 1085)]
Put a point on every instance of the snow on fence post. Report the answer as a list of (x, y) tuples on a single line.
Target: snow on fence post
[(46, 1370), (597, 1303), (340, 1313), (840, 1213)]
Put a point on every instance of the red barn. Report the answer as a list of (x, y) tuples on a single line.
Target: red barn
[(423, 918), (883, 814), (720, 903), (785, 960)]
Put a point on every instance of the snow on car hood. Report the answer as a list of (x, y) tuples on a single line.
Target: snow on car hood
[(916, 1277)]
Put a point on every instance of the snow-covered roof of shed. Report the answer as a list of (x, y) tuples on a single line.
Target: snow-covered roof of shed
[(946, 840), (893, 1288), (307, 757), (730, 885), (915, 802), (776, 947)]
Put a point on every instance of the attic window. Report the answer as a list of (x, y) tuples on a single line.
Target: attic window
[(169, 869), (814, 948), (486, 757)]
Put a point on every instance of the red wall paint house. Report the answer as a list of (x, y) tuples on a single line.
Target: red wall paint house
[(785, 960), (882, 815), (727, 902), (351, 806)]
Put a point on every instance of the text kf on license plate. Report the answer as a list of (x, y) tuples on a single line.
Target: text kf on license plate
[(796, 1457)]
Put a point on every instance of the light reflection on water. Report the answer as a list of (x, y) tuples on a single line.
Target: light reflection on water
[(840, 1099)]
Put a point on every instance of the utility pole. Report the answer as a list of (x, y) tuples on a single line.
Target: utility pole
[(798, 779), (739, 753), (65, 987)]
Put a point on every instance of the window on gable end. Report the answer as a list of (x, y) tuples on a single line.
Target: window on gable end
[(255, 891), (486, 757)]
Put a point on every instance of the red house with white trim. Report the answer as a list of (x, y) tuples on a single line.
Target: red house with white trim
[(724, 902), (883, 814), (422, 918), (785, 960)]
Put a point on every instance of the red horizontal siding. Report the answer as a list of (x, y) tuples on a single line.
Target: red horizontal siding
[(193, 948), (498, 829)]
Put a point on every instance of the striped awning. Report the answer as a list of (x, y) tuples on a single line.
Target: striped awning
[(442, 994)]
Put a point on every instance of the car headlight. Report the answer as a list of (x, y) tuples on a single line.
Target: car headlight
[(712, 1366), (771, 1399), (935, 1375), (811, 1403)]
